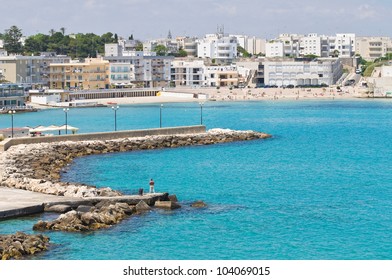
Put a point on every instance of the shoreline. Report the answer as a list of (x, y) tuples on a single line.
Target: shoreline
[(234, 95)]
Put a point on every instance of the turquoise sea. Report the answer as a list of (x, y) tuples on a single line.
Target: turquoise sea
[(321, 188)]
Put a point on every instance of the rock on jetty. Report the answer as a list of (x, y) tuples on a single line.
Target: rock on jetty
[(97, 217), (37, 167), (19, 245)]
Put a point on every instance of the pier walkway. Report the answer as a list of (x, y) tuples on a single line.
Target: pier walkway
[(15, 203)]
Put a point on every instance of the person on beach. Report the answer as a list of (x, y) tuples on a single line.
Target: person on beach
[(152, 186)]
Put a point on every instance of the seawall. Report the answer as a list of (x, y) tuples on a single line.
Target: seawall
[(37, 167), (7, 143)]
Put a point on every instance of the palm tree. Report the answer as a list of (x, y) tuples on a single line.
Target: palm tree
[(62, 29), (52, 31)]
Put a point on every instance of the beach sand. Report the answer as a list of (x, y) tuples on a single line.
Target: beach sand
[(225, 94)]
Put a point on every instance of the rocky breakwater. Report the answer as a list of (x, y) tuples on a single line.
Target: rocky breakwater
[(19, 245), (102, 215), (37, 167)]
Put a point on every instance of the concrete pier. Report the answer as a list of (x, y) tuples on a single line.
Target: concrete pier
[(16, 203)]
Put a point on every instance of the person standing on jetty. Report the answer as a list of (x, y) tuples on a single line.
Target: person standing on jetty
[(152, 186)]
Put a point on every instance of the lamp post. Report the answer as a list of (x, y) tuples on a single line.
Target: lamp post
[(201, 112), (160, 115), (115, 108), (12, 122), (66, 119)]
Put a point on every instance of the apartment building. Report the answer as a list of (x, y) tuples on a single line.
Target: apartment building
[(11, 95), (371, 48), (252, 44), (342, 45), (187, 72), (221, 76), (29, 69), (221, 47), (93, 73), (314, 44), (274, 49), (286, 45), (188, 44), (300, 72), (140, 71)]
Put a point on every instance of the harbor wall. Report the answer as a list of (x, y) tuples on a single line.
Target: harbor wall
[(7, 143)]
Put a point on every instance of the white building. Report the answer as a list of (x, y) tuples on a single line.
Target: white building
[(221, 76), (343, 45), (140, 71), (222, 48), (187, 72), (313, 44), (302, 72), (255, 45), (121, 50), (274, 49), (252, 45)]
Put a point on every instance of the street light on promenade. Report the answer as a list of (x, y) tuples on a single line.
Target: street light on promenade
[(160, 115), (12, 113), (201, 112), (66, 119), (115, 108)]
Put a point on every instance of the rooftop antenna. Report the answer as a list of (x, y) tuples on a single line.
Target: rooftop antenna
[(220, 30)]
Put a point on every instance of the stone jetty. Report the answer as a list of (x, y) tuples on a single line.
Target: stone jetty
[(37, 167)]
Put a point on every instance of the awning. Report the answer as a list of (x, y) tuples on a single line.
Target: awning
[(42, 128)]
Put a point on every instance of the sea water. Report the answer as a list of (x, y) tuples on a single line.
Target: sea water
[(321, 188)]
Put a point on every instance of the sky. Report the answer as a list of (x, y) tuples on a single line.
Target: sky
[(152, 19)]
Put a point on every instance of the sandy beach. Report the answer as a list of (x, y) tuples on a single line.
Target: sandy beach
[(226, 94)]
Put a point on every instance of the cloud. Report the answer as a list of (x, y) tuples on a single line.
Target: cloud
[(226, 9), (94, 4), (366, 12)]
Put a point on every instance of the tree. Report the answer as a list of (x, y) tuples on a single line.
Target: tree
[(161, 50), (312, 56), (62, 29), (139, 46), (11, 39), (182, 53), (52, 31), (243, 52)]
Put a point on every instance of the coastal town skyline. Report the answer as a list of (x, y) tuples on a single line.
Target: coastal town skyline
[(150, 19)]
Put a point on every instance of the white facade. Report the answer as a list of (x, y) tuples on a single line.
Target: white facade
[(146, 71), (255, 45), (298, 73), (187, 73), (344, 44), (217, 46), (221, 76), (310, 45), (274, 49)]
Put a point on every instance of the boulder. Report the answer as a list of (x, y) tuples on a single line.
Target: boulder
[(173, 198), (142, 206), (59, 208), (167, 205), (84, 208), (199, 204)]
